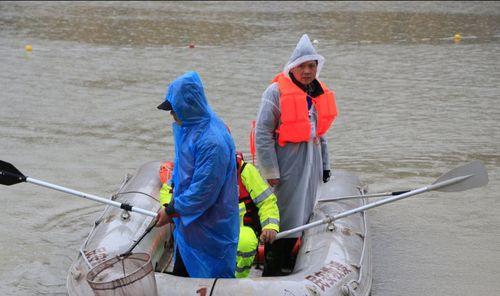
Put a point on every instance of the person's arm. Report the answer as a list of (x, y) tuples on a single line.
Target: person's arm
[(209, 175), (324, 153), (265, 200), (265, 133), (325, 159)]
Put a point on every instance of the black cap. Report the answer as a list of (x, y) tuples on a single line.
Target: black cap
[(165, 106)]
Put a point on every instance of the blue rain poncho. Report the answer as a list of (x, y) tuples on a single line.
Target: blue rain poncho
[(205, 184)]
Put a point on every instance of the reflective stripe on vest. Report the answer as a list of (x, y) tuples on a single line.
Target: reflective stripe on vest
[(265, 194), (243, 209), (247, 254), (242, 269), (269, 221), (295, 126)]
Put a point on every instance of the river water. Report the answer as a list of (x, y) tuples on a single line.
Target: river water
[(80, 111)]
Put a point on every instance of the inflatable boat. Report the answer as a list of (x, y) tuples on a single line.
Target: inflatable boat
[(333, 258)]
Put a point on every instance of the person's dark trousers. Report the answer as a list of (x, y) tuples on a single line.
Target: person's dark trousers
[(179, 267), (278, 256)]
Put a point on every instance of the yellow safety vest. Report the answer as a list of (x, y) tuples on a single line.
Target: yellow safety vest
[(262, 196)]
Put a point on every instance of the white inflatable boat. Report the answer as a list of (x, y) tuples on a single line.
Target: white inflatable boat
[(334, 259)]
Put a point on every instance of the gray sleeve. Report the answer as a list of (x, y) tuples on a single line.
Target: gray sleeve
[(265, 132), (324, 153)]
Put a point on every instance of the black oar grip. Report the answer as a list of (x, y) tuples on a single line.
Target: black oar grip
[(400, 192)]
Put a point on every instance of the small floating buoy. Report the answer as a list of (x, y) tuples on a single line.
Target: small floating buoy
[(28, 48), (191, 45), (315, 41), (457, 37)]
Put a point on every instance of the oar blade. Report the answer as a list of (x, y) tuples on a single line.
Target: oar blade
[(9, 174), (476, 171)]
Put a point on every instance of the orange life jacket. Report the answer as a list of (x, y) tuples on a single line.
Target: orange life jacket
[(166, 171), (294, 122)]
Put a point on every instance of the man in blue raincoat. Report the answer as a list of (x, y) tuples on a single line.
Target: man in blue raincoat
[(205, 204)]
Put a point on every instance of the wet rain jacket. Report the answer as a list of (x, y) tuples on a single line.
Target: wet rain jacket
[(299, 166), (205, 184)]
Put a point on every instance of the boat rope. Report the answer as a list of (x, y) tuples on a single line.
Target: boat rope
[(350, 287), (213, 286), (84, 245), (169, 244), (98, 221), (131, 192)]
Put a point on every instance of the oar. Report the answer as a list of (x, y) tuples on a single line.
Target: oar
[(10, 175), (462, 178), (363, 196)]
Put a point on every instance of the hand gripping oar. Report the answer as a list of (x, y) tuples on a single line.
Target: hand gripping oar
[(462, 178), (10, 175)]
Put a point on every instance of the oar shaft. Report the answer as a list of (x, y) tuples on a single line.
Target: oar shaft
[(398, 197), (351, 212), (363, 196), (88, 196), (303, 227), (373, 205), (445, 183), (380, 203)]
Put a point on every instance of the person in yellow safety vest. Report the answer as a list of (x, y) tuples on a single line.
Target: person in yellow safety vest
[(259, 213)]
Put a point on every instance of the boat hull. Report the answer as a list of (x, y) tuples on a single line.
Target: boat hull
[(334, 259)]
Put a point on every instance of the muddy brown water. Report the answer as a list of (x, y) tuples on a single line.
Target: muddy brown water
[(80, 111)]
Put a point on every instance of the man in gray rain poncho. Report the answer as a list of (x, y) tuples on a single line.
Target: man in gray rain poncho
[(295, 113)]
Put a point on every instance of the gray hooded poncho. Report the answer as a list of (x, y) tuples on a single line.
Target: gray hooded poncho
[(299, 166)]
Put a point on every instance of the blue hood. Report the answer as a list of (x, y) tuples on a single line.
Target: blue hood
[(188, 99)]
